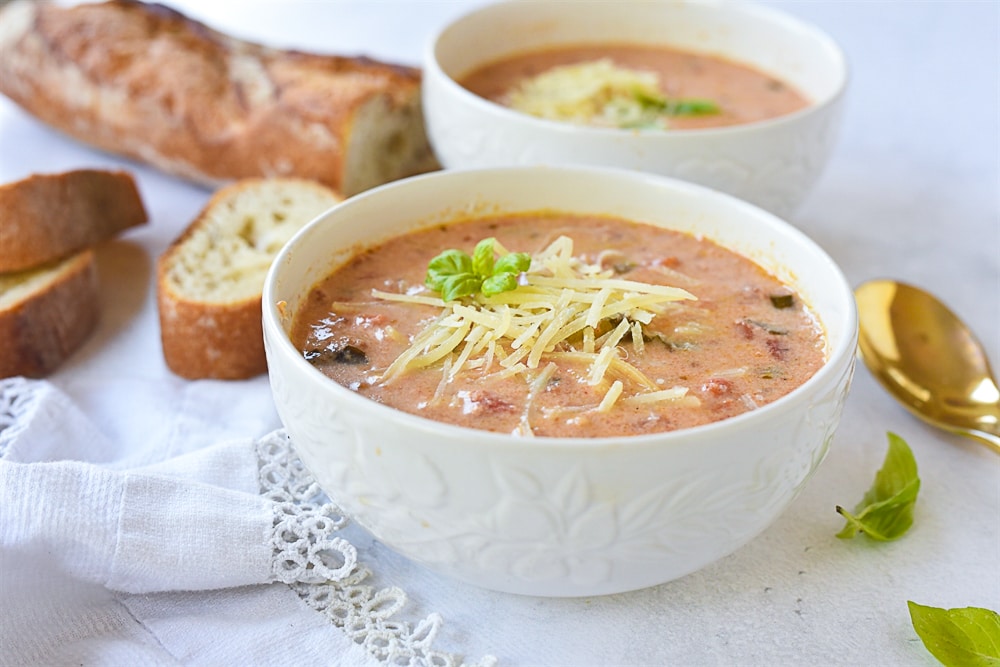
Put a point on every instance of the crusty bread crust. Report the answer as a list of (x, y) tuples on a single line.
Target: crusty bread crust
[(211, 279), (144, 81), (220, 341), (48, 216), (42, 324)]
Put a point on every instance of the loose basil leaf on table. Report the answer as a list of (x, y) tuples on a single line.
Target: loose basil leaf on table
[(966, 637), (886, 511)]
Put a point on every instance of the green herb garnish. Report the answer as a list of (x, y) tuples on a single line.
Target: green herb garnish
[(455, 274), (681, 106), (648, 110), (965, 636), (886, 511)]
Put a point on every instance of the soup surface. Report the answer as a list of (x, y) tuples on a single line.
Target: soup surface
[(634, 86), (616, 328)]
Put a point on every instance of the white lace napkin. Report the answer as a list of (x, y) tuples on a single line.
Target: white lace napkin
[(228, 554)]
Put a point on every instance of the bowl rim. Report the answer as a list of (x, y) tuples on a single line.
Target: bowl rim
[(838, 358), (434, 69)]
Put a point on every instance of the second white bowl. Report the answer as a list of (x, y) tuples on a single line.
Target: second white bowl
[(772, 163)]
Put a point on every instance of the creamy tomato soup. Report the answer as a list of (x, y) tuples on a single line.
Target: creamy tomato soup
[(615, 328), (740, 93)]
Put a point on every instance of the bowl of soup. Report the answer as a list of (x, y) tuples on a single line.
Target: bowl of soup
[(740, 98), (558, 381)]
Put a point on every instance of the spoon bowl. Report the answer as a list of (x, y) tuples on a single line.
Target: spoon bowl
[(928, 359)]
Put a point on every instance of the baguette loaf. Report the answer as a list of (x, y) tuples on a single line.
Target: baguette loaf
[(46, 314), (210, 280), (48, 216), (146, 82)]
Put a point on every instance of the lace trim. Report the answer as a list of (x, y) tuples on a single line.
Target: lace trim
[(17, 395), (324, 570)]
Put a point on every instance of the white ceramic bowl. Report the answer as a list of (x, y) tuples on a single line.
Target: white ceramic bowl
[(557, 516), (772, 163)]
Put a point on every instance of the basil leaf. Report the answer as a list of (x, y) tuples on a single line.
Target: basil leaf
[(448, 263), (454, 274), (459, 285), (649, 100), (965, 636), (482, 258), (886, 511), (515, 262), (501, 282), (692, 107), (684, 106)]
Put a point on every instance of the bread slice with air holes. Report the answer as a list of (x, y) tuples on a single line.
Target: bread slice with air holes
[(46, 314), (210, 280)]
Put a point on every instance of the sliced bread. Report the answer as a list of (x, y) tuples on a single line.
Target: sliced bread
[(45, 217), (210, 280), (46, 314)]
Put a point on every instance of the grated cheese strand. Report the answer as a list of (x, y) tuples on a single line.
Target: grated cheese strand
[(672, 394), (535, 385), (594, 313), (609, 398), (409, 298), (600, 365), (516, 369), (638, 344), (617, 334), (443, 384), (515, 357), (619, 284), (624, 369)]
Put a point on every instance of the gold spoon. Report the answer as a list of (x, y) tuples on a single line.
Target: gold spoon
[(928, 359)]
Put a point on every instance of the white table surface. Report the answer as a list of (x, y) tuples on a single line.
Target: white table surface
[(912, 192)]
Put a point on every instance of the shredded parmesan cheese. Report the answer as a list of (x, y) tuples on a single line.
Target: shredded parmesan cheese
[(409, 298), (585, 92), (638, 343), (443, 384), (673, 394), (600, 365), (536, 385), (554, 314), (609, 398)]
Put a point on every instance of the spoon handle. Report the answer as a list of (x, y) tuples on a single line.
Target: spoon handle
[(991, 440)]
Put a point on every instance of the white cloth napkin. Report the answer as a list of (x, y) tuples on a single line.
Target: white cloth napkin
[(228, 554)]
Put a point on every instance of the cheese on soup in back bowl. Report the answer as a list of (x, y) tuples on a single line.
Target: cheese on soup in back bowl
[(559, 325)]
